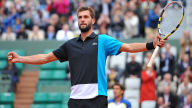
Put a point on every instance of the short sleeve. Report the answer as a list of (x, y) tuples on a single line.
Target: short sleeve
[(61, 53), (111, 45)]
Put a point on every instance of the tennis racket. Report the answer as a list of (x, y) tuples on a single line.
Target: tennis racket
[(169, 21)]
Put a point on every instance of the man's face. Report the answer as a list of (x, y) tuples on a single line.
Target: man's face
[(85, 21), (117, 91)]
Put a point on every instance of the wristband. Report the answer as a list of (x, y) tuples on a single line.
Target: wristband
[(149, 46)]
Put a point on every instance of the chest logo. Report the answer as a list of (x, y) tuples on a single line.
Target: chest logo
[(94, 43)]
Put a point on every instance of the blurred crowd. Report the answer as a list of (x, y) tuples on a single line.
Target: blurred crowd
[(56, 19), (170, 84)]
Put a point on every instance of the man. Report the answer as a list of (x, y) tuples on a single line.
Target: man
[(118, 101), (171, 100), (133, 68), (86, 55), (167, 82), (152, 19), (167, 61)]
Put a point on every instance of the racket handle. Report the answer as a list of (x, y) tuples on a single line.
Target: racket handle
[(150, 64)]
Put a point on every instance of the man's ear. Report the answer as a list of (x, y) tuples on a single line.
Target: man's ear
[(93, 21)]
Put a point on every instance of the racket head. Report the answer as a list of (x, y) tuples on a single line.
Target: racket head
[(169, 23)]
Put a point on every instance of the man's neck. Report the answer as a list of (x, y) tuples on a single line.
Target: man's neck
[(84, 35), (118, 99)]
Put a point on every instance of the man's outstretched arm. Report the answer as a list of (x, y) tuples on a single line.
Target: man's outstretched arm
[(34, 59), (140, 47)]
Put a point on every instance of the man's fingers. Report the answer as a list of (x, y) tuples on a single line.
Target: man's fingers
[(162, 43), (10, 55)]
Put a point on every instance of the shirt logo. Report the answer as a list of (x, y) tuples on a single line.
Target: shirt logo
[(94, 43)]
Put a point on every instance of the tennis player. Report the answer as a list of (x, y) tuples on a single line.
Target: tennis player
[(87, 55)]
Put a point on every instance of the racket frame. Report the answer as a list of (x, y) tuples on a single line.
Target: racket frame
[(151, 61)]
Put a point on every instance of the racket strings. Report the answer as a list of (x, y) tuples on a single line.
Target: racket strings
[(170, 19)]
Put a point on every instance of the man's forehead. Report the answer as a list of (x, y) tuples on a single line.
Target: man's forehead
[(82, 13)]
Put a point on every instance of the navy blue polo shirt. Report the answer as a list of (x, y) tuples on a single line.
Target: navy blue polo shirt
[(87, 63)]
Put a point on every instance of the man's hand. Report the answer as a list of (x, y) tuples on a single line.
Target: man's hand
[(160, 43), (13, 57)]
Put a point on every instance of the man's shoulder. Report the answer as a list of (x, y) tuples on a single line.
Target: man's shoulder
[(126, 102), (72, 40), (111, 101)]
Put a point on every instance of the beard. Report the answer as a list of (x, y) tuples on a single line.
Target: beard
[(85, 29)]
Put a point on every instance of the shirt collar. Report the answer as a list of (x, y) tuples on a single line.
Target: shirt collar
[(90, 36)]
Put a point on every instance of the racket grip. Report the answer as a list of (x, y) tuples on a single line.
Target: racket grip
[(150, 64)]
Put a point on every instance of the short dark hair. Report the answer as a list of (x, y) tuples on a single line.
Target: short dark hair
[(85, 8), (121, 86)]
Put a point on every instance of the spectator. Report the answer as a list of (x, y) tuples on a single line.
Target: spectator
[(117, 25), (188, 103), (152, 20), (8, 35), (147, 4), (36, 34), (11, 17), (11, 71), (54, 20), (185, 100), (118, 101), (61, 7), (22, 33), (17, 25), (64, 34), (28, 19), (133, 68), (185, 62), (103, 23), (62, 20), (112, 78), (186, 84), (131, 22), (49, 6), (167, 61), (104, 8), (160, 103), (186, 45), (170, 99), (167, 82), (50, 34), (148, 89), (187, 73), (41, 19), (146, 60)]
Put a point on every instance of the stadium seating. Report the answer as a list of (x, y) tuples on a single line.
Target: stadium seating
[(7, 98), (52, 75), (132, 91), (48, 106), (53, 88), (54, 65), (3, 59), (38, 106), (5, 106), (138, 57), (134, 103), (148, 104), (40, 97), (118, 61), (3, 64), (110, 94), (3, 54), (132, 83)]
